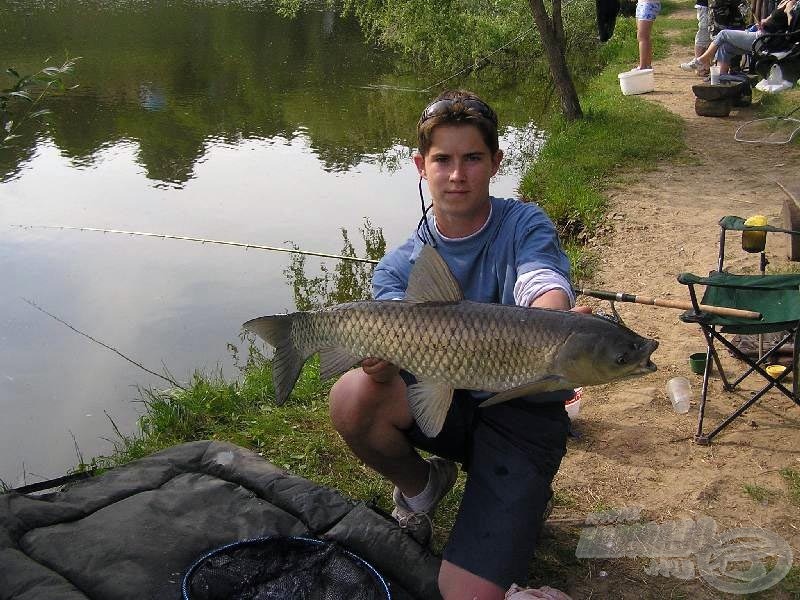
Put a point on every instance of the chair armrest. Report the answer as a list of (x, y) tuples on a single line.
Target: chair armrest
[(774, 42), (733, 223)]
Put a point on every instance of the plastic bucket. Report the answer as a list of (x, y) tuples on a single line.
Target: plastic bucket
[(639, 81), (697, 362)]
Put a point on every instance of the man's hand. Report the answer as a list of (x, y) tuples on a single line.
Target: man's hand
[(381, 371)]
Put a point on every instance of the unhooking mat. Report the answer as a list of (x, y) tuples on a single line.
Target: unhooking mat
[(134, 531)]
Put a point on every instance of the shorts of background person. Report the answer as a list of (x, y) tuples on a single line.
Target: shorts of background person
[(647, 11)]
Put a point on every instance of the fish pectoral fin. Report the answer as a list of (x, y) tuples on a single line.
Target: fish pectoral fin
[(429, 403), (335, 361), (546, 384)]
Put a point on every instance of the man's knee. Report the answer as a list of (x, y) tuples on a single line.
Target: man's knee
[(357, 402)]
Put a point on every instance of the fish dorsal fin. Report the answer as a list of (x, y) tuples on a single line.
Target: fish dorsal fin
[(431, 279), (429, 403), (545, 384)]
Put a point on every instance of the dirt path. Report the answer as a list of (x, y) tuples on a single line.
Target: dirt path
[(634, 451)]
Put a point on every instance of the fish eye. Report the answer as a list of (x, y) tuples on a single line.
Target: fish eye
[(622, 359)]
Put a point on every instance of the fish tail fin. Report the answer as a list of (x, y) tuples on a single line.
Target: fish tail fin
[(288, 360)]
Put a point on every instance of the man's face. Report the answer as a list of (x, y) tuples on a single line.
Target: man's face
[(458, 168)]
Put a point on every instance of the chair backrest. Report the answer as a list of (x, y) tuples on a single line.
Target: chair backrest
[(776, 297)]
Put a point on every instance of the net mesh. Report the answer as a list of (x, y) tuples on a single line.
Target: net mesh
[(283, 569)]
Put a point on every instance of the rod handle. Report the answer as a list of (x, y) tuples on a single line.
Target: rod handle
[(723, 311)]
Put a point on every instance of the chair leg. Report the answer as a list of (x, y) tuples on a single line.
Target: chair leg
[(754, 366), (711, 352), (796, 366), (699, 438)]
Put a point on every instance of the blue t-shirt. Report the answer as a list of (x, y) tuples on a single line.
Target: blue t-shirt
[(518, 237)]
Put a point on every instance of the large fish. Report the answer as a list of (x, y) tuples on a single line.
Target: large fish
[(448, 342)]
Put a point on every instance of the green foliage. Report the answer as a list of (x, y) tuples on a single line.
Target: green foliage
[(349, 281), (21, 101)]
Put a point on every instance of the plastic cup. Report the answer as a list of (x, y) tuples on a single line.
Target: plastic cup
[(714, 70), (679, 392)]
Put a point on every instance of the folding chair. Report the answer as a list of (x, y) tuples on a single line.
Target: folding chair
[(775, 297), (779, 49)]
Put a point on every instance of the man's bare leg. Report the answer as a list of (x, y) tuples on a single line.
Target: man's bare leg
[(456, 583), (371, 417)]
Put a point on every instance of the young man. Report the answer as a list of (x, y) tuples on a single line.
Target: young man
[(502, 251)]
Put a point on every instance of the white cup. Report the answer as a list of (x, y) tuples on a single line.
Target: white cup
[(714, 75)]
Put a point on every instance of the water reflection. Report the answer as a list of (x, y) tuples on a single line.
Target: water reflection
[(220, 121)]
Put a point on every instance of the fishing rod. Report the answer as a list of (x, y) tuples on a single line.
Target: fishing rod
[(168, 236), (662, 302)]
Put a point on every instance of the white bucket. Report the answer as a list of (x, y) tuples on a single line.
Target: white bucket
[(639, 81)]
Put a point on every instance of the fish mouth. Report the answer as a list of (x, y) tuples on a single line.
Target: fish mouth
[(647, 365)]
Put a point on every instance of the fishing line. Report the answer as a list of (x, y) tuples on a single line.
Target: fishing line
[(168, 236), (469, 67), (424, 219), (104, 345)]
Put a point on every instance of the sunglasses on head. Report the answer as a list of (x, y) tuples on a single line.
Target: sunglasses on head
[(441, 107)]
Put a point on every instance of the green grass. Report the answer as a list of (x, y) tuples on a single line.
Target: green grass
[(792, 479), (759, 493)]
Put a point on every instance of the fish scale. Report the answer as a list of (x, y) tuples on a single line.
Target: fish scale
[(470, 345), (450, 343)]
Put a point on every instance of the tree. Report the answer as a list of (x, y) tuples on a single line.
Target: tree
[(551, 30)]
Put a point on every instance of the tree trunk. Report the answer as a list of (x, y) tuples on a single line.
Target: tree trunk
[(552, 33)]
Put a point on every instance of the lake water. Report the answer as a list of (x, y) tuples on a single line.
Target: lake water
[(213, 120)]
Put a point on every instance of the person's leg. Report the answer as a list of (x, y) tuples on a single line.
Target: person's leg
[(702, 62), (703, 37), (731, 43), (372, 418), (644, 30), (516, 450), (456, 583)]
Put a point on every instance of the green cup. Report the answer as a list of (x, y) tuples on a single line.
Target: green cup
[(697, 362)]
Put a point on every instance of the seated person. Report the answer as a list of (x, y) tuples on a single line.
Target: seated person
[(732, 42)]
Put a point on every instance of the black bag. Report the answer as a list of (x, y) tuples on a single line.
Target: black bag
[(728, 14)]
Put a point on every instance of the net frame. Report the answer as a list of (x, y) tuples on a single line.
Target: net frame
[(310, 542)]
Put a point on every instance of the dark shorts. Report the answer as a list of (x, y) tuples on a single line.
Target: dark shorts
[(511, 452)]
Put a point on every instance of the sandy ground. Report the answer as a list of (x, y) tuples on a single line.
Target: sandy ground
[(633, 450)]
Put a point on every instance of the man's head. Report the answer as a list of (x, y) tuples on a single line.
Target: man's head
[(458, 156), (457, 107)]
